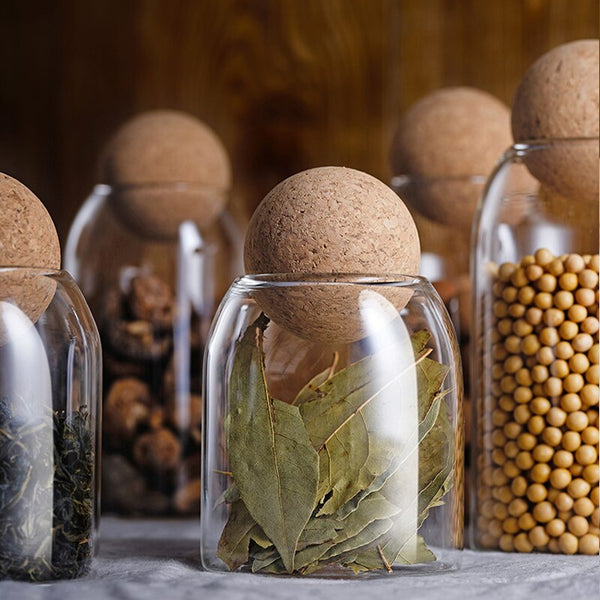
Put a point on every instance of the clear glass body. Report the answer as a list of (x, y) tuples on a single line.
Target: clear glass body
[(50, 389), (333, 432), (153, 299), (535, 352), (446, 253)]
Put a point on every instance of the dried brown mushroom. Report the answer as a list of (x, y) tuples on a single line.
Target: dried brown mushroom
[(151, 299), (158, 450), (126, 407)]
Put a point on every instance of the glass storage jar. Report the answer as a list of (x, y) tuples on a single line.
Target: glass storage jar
[(153, 297), (50, 388), (446, 254), (332, 451), (535, 351)]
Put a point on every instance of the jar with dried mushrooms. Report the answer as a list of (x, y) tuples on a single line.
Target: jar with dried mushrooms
[(154, 248)]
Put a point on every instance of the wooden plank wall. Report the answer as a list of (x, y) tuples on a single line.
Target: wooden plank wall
[(288, 84)]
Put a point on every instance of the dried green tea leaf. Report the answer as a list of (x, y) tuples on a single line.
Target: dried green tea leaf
[(235, 538), (70, 481), (272, 460)]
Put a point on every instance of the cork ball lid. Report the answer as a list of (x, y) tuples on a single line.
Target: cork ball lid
[(442, 141), (166, 167), (558, 98), (329, 220), (28, 240), (28, 237)]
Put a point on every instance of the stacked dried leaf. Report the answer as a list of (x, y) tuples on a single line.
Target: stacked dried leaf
[(317, 482)]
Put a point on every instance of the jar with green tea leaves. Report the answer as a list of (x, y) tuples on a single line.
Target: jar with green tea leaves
[(49, 393)]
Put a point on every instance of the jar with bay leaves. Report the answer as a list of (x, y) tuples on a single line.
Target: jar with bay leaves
[(49, 426), (333, 455), (535, 352)]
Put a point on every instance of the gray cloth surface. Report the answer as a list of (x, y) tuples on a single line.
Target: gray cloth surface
[(156, 560)]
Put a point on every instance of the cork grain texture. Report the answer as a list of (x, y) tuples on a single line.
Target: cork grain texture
[(329, 220), (28, 238), (151, 152), (452, 133), (558, 98)]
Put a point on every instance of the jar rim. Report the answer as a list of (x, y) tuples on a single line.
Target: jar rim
[(273, 280), (536, 143), (40, 271), (403, 179), (172, 186)]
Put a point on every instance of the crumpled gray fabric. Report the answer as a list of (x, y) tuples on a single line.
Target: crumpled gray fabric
[(159, 560)]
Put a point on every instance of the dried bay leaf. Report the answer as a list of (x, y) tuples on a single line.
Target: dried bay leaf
[(319, 530), (235, 538), (374, 508), (415, 551), (345, 455), (271, 457), (357, 477), (337, 429), (346, 393), (369, 534), (384, 451), (230, 495), (311, 390)]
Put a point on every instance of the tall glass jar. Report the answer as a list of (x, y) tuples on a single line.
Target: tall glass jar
[(50, 388), (332, 452), (535, 352), (153, 297)]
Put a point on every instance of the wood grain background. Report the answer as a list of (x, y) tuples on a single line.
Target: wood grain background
[(288, 84)]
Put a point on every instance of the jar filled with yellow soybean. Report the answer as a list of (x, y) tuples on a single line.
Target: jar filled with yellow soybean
[(535, 352)]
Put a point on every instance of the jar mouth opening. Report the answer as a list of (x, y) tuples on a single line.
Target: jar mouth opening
[(37, 271), (550, 142), (271, 280), (403, 179), (161, 186)]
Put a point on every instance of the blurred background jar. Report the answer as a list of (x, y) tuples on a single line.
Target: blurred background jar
[(535, 354), (444, 148), (154, 249)]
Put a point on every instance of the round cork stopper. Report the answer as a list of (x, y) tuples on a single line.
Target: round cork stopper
[(444, 140), (329, 220), (166, 167), (28, 238), (558, 98)]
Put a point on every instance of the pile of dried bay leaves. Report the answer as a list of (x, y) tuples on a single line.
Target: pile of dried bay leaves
[(315, 483)]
